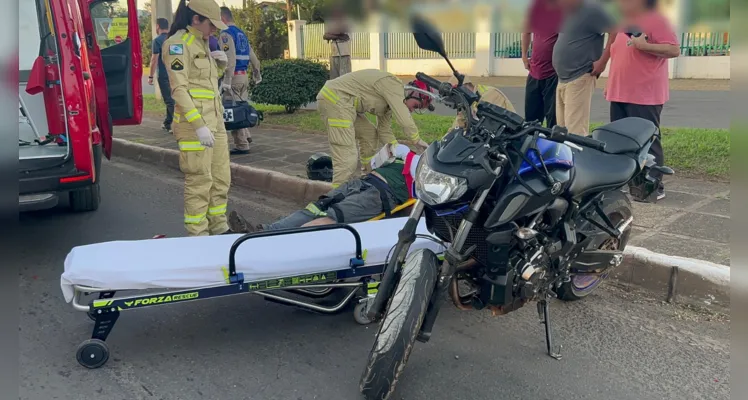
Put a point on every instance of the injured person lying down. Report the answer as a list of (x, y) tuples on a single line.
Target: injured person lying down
[(389, 184)]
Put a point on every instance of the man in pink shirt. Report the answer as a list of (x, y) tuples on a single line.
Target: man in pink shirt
[(541, 30), (638, 84)]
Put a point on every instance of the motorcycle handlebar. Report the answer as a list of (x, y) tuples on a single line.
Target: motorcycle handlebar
[(561, 134), (433, 83)]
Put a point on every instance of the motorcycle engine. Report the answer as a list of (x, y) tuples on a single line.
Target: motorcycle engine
[(514, 276)]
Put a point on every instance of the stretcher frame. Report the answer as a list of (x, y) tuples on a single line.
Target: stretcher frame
[(359, 279)]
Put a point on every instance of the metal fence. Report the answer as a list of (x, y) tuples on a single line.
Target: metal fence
[(401, 45), (508, 45), (317, 48)]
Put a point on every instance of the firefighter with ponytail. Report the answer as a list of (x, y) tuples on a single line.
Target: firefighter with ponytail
[(198, 116)]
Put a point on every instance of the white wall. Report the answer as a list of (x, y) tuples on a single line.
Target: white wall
[(712, 67)]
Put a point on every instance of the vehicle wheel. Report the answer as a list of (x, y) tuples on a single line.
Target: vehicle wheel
[(359, 314), (581, 286), (89, 198), (400, 325), (93, 353)]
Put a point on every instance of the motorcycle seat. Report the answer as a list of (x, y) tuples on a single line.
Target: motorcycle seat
[(595, 171), (627, 135)]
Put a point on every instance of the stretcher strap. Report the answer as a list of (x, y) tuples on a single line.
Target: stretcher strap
[(383, 190)]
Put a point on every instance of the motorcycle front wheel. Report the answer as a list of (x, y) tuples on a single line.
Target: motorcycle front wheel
[(400, 325)]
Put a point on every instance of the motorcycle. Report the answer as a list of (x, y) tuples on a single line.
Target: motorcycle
[(526, 214)]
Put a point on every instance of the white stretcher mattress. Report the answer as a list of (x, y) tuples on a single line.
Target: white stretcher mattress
[(189, 262)]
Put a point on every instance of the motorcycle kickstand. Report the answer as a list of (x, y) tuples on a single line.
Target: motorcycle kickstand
[(544, 314)]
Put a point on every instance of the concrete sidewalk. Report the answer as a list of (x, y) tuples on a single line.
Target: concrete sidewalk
[(692, 221)]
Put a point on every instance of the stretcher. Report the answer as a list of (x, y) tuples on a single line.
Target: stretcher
[(300, 267)]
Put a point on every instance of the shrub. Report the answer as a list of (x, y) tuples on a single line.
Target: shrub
[(291, 83)]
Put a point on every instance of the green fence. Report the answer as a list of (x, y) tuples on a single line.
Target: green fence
[(705, 44), (401, 45), (508, 45), (317, 48)]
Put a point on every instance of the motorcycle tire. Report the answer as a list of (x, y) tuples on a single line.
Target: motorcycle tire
[(400, 326), (617, 208)]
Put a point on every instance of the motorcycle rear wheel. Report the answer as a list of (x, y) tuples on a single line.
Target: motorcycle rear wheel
[(617, 210), (400, 325)]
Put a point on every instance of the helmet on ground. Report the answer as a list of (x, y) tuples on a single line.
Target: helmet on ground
[(424, 99), (319, 167)]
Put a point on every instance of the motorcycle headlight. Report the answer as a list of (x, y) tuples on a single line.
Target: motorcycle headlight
[(436, 188)]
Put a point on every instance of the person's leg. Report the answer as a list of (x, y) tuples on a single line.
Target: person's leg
[(533, 99), (549, 100), (312, 210), (239, 88), (617, 111), (163, 85), (334, 67), (560, 104), (651, 113), (342, 138), (194, 162), (368, 140), (220, 170), (578, 101)]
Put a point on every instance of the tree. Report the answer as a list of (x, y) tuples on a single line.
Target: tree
[(267, 30)]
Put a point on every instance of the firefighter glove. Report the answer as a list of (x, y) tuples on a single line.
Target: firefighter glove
[(205, 136)]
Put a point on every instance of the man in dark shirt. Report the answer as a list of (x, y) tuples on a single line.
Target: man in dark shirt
[(163, 78), (541, 29), (579, 57)]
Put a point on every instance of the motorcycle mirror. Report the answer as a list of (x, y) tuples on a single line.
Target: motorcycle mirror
[(429, 39)]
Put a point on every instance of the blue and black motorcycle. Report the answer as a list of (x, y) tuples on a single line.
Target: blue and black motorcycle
[(527, 214)]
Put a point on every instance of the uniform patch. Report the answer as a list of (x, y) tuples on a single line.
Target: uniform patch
[(177, 65), (225, 38), (225, 47), (176, 49)]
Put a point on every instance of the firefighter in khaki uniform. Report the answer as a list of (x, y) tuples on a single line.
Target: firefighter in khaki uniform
[(198, 119), (236, 80), (343, 103), (489, 94)]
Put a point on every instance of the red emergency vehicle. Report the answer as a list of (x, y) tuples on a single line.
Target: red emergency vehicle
[(76, 82)]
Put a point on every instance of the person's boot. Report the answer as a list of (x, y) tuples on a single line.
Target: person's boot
[(239, 224), (236, 152)]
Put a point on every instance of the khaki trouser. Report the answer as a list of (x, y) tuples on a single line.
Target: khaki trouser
[(348, 130), (339, 65), (239, 92), (207, 177), (573, 102)]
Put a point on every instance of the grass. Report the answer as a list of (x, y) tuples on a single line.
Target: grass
[(700, 153)]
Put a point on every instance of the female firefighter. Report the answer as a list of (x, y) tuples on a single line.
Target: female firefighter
[(198, 118)]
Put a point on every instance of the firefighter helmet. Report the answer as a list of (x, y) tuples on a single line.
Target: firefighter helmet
[(319, 167)]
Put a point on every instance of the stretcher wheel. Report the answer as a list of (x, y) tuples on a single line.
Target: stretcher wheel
[(93, 353), (359, 314)]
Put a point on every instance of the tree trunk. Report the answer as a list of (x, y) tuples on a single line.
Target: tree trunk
[(289, 10)]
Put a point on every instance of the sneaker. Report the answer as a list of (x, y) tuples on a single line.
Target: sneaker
[(167, 128), (236, 152), (660, 193)]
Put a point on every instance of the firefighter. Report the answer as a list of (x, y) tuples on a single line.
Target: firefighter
[(489, 94), (198, 120), (343, 103), (235, 84)]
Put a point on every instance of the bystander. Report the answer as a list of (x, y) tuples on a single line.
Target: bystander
[(162, 29)]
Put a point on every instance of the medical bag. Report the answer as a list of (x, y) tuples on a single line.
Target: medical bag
[(239, 115)]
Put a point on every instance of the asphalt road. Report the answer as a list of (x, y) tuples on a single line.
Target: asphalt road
[(686, 108), (617, 345)]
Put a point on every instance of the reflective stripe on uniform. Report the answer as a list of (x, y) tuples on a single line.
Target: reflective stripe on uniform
[(191, 146), (192, 115), (188, 38), (329, 95), (177, 117), (482, 88), (339, 123), (312, 208), (217, 210), (202, 94), (355, 103), (194, 219), (367, 159), (238, 57)]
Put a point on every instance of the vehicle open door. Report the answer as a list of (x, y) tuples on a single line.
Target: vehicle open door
[(113, 39)]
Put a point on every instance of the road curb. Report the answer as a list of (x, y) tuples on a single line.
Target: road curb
[(676, 279), (271, 182)]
